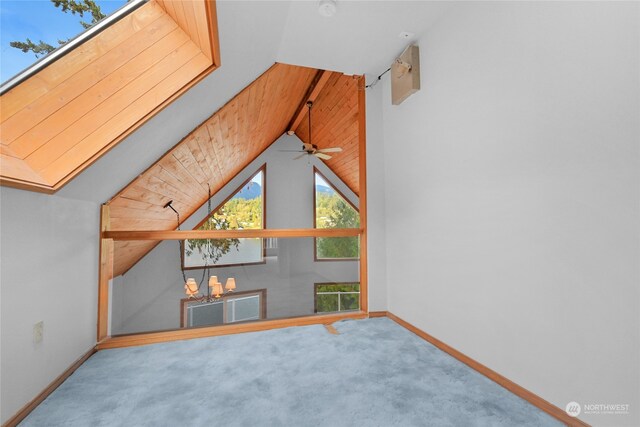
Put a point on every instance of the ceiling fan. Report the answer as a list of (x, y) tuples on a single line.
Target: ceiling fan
[(309, 149)]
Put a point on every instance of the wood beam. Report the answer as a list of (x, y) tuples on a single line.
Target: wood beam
[(362, 196), (230, 234), (234, 328), (105, 274), (315, 88)]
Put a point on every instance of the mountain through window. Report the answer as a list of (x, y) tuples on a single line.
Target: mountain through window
[(244, 210)]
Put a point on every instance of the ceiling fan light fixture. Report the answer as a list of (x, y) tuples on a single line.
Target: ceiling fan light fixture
[(327, 8)]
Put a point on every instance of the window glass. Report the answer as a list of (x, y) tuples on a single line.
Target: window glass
[(231, 308), (332, 210), (334, 297), (29, 30), (243, 211)]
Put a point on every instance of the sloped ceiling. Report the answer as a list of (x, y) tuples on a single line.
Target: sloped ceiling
[(362, 38), (61, 119), (245, 56), (334, 123), (211, 155)]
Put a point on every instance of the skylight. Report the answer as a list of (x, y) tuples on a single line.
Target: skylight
[(38, 26)]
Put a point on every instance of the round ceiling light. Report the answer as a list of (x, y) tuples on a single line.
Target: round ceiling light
[(327, 8)]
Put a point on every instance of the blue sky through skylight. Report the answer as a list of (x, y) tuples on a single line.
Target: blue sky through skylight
[(37, 20)]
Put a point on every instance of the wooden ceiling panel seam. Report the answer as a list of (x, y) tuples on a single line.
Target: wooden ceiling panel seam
[(84, 124), (173, 176), (85, 81), (181, 17), (174, 166), (161, 180), (212, 132), (90, 141), (344, 122), (196, 153), (185, 157), (334, 123), (203, 65), (129, 114), (204, 145), (192, 22), (152, 193), (227, 142), (198, 20), (161, 4), (25, 93), (134, 213)]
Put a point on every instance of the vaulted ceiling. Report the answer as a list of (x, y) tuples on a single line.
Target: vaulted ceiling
[(334, 123), (65, 116), (223, 145)]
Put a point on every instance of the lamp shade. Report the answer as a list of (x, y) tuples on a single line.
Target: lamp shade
[(231, 284), (217, 289), (191, 287), (212, 281)]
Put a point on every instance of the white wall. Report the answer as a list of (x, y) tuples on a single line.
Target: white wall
[(512, 196), (49, 273), (147, 297), (376, 215)]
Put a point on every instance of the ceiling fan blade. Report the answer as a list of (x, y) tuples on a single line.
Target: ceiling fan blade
[(300, 156), (330, 150), (292, 151), (322, 156)]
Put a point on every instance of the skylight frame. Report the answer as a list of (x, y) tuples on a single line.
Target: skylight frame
[(78, 40)]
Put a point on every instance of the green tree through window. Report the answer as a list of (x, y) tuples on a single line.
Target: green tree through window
[(243, 211), (333, 297), (333, 211)]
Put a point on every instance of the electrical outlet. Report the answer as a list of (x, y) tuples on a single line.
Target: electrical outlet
[(38, 332)]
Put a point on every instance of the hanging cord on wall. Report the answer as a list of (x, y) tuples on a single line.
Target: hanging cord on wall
[(205, 271), (180, 242), (375, 82)]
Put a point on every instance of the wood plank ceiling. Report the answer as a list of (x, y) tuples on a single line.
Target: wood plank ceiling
[(334, 123), (60, 120), (212, 154), (224, 144)]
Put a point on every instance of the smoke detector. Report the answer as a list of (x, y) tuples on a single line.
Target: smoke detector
[(327, 8)]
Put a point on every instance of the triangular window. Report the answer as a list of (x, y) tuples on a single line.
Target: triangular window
[(243, 210), (333, 210)]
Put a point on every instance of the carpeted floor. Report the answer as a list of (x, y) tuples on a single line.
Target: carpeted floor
[(374, 373)]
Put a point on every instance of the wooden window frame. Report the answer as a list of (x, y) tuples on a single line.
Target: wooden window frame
[(262, 169), (315, 295), (184, 302), (315, 212)]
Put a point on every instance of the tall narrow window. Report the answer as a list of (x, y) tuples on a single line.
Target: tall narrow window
[(244, 210), (333, 210)]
